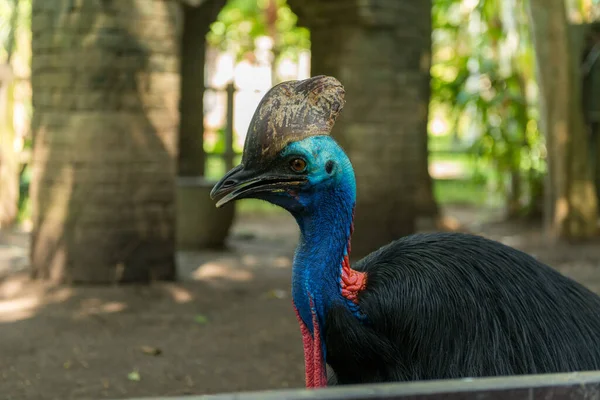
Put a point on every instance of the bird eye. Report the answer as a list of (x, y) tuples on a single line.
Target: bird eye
[(298, 164), (329, 166)]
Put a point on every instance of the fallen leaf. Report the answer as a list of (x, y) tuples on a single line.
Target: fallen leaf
[(134, 376), (201, 319), (151, 351), (189, 381)]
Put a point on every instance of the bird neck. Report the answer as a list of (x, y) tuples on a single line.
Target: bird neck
[(321, 275)]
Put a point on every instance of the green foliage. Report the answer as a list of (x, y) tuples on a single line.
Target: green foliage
[(463, 192), (15, 30), (217, 146), (9, 10), (134, 376), (240, 22), (483, 73), (201, 319)]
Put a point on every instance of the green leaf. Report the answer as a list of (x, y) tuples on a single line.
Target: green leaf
[(463, 98), (201, 319), (134, 376)]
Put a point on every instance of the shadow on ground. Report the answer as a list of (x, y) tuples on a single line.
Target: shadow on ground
[(227, 326)]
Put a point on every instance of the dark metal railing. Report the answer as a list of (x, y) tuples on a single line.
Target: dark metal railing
[(572, 386)]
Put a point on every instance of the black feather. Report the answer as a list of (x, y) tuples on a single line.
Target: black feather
[(449, 305)]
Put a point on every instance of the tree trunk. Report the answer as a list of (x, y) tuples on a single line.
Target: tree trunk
[(513, 198), (196, 23), (191, 129), (587, 39), (425, 201), (105, 79), (380, 52), (571, 206), (596, 155), (199, 224), (597, 181)]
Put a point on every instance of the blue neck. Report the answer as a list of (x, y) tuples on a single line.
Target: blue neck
[(325, 233)]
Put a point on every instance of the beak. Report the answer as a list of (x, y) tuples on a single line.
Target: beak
[(243, 184)]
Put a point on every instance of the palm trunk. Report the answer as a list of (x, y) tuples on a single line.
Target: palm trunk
[(571, 207), (105, 95), (383, 64)]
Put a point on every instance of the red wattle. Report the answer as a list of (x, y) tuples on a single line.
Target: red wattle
[(307, 342), (319, 370), (353, 282), (315, 373)]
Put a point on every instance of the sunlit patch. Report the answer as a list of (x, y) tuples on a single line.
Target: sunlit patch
[(282, 262), (22, 298), (512, 240), (27, 225), (440, 170), (97, 306), (250, 260), (448, 223), (179, 294), (59, 295), (112, 307), (11, 288), (215, 270), (18, 309), (468, 5), (562, 209)]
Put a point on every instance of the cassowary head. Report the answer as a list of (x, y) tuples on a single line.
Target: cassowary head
[(289, 158), (291, 161)]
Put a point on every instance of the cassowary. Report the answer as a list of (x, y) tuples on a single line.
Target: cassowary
[(426, 306)]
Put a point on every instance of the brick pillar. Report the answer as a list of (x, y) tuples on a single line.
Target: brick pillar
[(380, 51), (105, 80)]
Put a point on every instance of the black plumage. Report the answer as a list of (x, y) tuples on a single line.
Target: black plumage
[(426, 306), (453, 305)]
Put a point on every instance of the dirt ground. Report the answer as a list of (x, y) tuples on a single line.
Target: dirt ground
[(227, 326)]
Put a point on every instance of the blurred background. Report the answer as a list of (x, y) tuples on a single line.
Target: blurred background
[(119, 278)]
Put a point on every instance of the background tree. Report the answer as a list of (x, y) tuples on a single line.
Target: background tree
[(197, 17), (572, 210), (587, 38), (382, 54), (482, 80), (241, 22), (424, 199), (105, 78)]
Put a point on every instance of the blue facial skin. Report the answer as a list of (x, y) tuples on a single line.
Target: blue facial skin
[(323, 208)]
